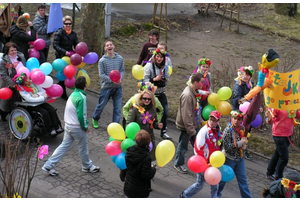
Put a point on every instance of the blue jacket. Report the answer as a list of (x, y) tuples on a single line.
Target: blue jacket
[(239, 91)]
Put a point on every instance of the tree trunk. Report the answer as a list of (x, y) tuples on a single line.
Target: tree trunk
[(286, 8), (93, 26)]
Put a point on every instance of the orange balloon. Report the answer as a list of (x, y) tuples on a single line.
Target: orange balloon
[(223, 107)]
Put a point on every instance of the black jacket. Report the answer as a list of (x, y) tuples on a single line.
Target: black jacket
[(21, 39), (138, 173), (63, 42), (239, 91)]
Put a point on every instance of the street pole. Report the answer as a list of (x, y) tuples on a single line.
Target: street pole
[(107, 19)]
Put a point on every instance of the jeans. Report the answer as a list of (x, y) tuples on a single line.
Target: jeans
[(196, 187), (182, 148), (105, 94), (240, 174), (164, 102), (280, 157), (70, 135)]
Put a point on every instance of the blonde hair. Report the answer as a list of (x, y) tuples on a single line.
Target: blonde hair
[(139, 97), (67, 17), (163, 44)]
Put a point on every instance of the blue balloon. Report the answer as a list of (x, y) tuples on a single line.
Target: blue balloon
[(120, 161), (113, 158), (227, 173), (60, 76), (32, 63), (59, 64), (46, 68)]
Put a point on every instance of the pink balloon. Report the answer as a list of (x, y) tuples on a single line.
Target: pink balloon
[(34, 70), (244, 107), (113, 148), (34, 53), (114, 75), (69, 71), (23, 69), (76, 59), (54, 91), (38, 77), (70, 82), (39, 44), (212, 175), (298, 114), (36, 37), (81, 48)]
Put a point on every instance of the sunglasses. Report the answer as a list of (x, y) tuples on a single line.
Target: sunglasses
[(68, 24), (147, 99)]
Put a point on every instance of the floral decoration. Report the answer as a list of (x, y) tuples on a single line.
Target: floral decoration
[(161, 51), (146, 117), (235, 113), (292, 113), (204, 61), (43, 151)]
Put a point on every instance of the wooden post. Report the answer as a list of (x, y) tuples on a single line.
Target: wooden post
[(238, 22), (73, 16), (230, 16), (223, 14), (159, 23), (154, 14)]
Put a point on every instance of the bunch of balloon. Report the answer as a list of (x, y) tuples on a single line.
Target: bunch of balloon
[(120, 141), (164, 152), (38, 44), (212, 175)]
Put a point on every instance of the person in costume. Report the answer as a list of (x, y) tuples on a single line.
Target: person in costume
[(34, 93), (163, 46), (234, 143)]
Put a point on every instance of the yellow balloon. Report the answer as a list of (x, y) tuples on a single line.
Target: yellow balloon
[(87, 78), (67, 59), (217, 159), (116, 131), (223, 107), (134, 98), (170, 70), (81, 65), (138, 72), (213, 99), (164, 152)]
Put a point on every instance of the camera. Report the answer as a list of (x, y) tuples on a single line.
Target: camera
[(163, 78)]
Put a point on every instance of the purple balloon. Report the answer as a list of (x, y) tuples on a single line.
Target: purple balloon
[(90, 58), (55, 90), (76, 59), (39, 44), (70, 82), (81, 48), (150, 146), (257, 121), (34, 53)]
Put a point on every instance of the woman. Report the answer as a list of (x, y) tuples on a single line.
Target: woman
[(65, 41), (144, 113), (34, 93), (11, 61), (157, 73), (139, 171), (20, 36)]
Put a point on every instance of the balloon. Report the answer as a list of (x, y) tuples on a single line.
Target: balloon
[(76, 59), (227, 173), (60, 76), (81, 65), (70, 82), (170, 70), (33, 53), (120, 161), (38, 77), (244, 107), (67, 59), (46, 68), (59, 64), (69, 71), (55, 90), (207, 110), (26, 15), (36, 36), (212, 176), (217, 159), (224, 93), (114, 75), (113, 148), (116, 131), (138, 72), (39, 44), (197, 164), (82, 72), (223, 107), (48, 82), (50, 100), (5, 93), (126, 144), (32, 63), (81, 48), (25, 70), (213, 99), (113, 158), (90, 58), (134, 98), (150, 146), (257, 121), (298, 114), (164, 152), (131, 129), (113, 139)]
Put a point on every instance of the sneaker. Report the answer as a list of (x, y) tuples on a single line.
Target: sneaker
[(181, 195), (271, 177), (53, 132), (92, 169), (181, 169), (95, 123), (59, 130), (165, 136), (51, 172), (248, 155)]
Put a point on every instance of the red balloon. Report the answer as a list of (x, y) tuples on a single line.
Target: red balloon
[(113, 148), (76, 59), (5, 93), (39, 44), (69, 71), (197, 164), (81, 48), (34, 53), (298, 114), (115, 76)]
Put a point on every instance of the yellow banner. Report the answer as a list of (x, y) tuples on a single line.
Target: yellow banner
[(285, 95)]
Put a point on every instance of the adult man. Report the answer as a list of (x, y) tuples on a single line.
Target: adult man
[(76, 128), (109, 61), (186, 119), (40, 24)]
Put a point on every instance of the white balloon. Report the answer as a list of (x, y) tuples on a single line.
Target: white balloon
[(48, 82)]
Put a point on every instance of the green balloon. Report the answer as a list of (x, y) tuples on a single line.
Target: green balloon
[(126, 144), (131, 129), (224, 93), (207, 110)]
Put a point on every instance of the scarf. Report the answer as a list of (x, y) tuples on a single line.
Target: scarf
[(68, 31), (241, 132)]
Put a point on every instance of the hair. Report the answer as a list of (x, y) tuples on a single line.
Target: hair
[(8, 46), (106, 41), (162, 55), (154, 32), (67, 17), (80, 82), (143, 139), (163, 44), (196, 77), (42, 6), (139, 97), (248, 72)]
